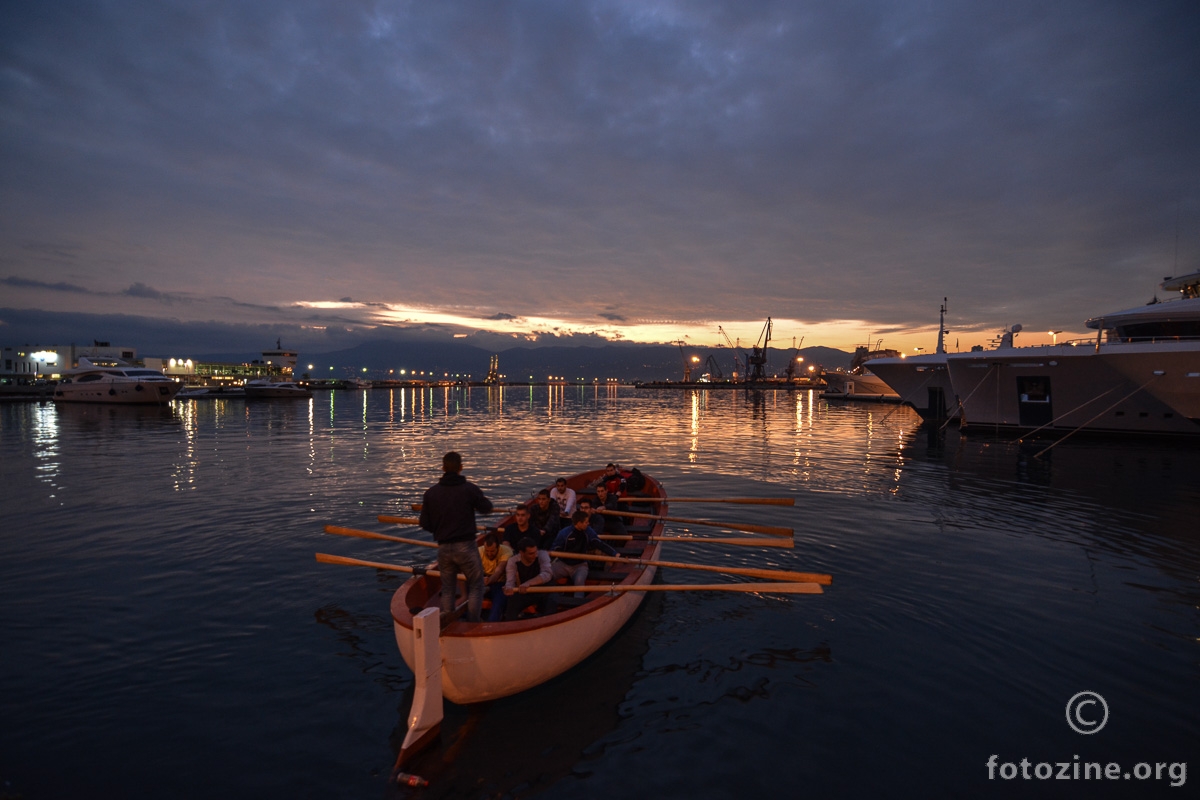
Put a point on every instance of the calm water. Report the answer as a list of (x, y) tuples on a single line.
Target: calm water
[(167, 633)]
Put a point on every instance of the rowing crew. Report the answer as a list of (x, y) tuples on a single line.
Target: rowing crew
[(506, 574), (448, 512)]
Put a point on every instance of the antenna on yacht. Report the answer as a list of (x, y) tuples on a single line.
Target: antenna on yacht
[(941, 345)]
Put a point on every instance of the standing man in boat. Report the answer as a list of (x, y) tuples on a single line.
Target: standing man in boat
[(448, 512)]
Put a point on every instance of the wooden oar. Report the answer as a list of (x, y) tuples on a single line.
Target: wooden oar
[(398, 520), (736, 526), (758, 588), (741, 540), (749, 572), (745, 501), (339, 531), (326, 558), (788, 543)]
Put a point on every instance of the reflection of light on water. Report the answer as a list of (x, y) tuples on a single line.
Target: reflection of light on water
[(185, 467), (695, 427), (45, 444)]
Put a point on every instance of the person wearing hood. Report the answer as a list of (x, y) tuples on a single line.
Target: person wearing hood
[(448, 512)]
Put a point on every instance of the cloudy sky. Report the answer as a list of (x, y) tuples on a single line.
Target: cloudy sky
[(581, 170)]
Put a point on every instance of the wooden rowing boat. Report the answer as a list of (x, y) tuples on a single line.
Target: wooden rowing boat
[(488, 660)]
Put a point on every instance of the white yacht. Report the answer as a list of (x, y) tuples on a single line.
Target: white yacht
[(263, 389), (1157, 346), (109, 380), (923, 381), (1106, 384), (860, 382)]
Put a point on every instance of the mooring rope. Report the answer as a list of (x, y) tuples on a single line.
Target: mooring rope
[(1098, 416)]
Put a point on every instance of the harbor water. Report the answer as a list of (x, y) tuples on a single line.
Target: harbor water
[(167, 632)]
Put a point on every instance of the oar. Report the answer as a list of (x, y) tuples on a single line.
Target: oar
[(339, 531), (398, 520), (758, 588), (769, 529), (750, 572), (788, 543), (745, 501), (325, 558)]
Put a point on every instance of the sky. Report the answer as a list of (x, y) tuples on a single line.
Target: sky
[(583, 172)]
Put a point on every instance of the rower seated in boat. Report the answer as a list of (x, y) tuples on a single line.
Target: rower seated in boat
[(546, 515), (530, 567), (495, 555), (579, 538), (608, 502), (522, 526), (565, 497)]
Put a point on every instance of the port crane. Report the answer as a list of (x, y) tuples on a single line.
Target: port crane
[(794, 359), (714, 370), (738, 369), (757, 360)]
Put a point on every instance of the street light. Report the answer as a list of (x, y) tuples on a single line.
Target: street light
[(1055, 335)]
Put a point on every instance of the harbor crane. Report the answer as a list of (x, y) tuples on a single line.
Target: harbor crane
[(757, 361), (714, 370), (738, 370)]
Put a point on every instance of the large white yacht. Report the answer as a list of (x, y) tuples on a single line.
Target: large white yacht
[(1106, 384), (1157, 346), (923, 381), (110, 380)]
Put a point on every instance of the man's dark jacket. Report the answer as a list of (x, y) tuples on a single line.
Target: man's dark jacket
[(448, 510)]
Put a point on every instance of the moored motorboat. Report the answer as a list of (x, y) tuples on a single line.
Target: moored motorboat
[(275, 390), (859, 382), (212, 393), (108, 380)]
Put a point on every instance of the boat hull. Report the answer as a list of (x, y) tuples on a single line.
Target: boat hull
[(1167, 371), (1060, 389), (858, 386), (922, 383), (489, 660), (276, 391), (151, 392)]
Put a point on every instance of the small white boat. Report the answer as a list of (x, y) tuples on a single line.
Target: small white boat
[(275, 390), (110, 380)]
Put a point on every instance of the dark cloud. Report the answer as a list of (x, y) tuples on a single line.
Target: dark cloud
[(501, 316), (147, 292), (27, 283), (827, 161)]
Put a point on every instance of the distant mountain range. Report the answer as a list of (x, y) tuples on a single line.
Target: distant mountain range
[(621, 361)]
